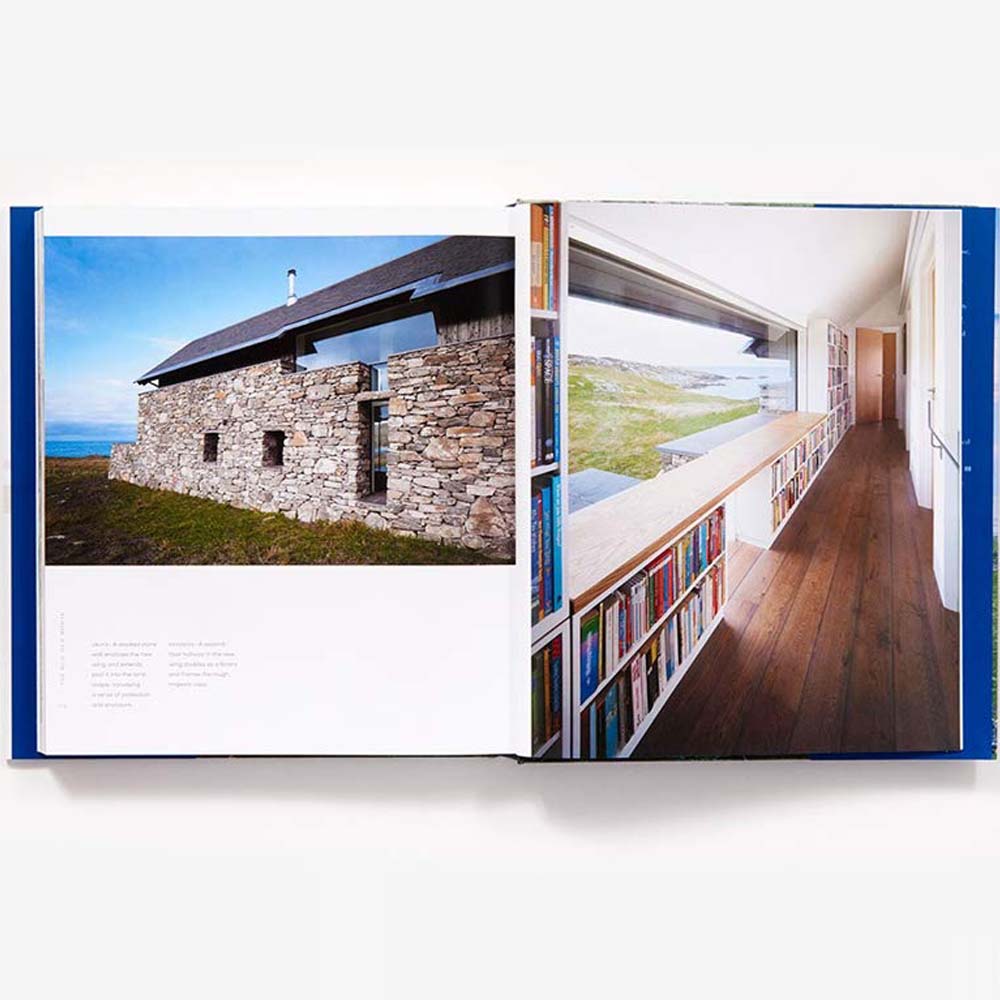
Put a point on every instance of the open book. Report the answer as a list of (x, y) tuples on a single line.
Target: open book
[(578, 481)]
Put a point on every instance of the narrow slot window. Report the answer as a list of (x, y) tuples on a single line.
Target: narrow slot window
[(210, 448)]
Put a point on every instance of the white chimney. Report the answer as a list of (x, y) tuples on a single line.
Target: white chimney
[(292, 298)]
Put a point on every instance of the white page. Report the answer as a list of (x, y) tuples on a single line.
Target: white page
[(290, 660)]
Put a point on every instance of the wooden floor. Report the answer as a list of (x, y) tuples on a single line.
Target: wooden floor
[(835, 639)]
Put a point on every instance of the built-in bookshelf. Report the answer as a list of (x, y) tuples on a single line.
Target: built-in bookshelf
[(838, 385), (635, 641), (828, 377), (793, 474), (549, 500), (762, 505), (550, 694)]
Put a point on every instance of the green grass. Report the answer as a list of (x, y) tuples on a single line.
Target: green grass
[(90, 520), (616, 418)]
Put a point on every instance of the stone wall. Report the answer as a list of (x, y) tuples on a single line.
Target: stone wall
[(451, 437)]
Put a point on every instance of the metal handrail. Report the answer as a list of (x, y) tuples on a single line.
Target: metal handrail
[(935, 437)]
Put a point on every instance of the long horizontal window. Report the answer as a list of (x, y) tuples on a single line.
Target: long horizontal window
[(660, 374), (371, 345)]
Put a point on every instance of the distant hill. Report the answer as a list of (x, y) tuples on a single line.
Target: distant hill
[(620, 410), (683, 378)]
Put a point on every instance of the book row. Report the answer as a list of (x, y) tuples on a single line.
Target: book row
[(544, 257), (785, 467), (788, 496), (836, 424), (545, 391), (609, 722), (836, 395), (816, 437), (546, 546), (622, 619), (546, 693)]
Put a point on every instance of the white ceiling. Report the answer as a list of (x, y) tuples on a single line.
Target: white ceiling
[(797, 262)]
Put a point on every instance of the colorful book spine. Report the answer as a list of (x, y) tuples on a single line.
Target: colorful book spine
[(611, 723), (557, 530), (548, 409), (535, 564), (547, 544), (536, 256), (589, 655), (556, 405)]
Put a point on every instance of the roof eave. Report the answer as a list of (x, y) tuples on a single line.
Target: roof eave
[(422, 288)]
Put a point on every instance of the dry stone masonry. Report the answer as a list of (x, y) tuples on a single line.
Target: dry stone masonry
[(450, 432)]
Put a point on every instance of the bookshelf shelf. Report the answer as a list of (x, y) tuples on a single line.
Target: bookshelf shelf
[(616, 695), (650, 633), (550, 657), (544, 470), (551, 621), (548, 468), (643, 727), (549, 503)]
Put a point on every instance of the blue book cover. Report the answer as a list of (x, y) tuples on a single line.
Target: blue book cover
[(611, 723), (547, 545), (557, 529), (556, 686), (589, 650), (534, 557), (592, 714)]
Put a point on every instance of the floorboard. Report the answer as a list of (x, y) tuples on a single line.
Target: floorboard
[(835, 639)]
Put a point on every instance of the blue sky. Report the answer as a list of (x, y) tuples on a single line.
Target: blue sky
[(116, 306)]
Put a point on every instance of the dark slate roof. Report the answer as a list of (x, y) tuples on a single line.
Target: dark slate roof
[(451, 261)]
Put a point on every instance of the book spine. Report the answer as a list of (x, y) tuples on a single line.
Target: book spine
[(540, 556), (611, 723), (536, 706), (536, 256), (540, 401), (550, 211), (546, 237), (556, 704), (547, 545), (554, 281), (548, 440), (535, 577), (557, 533), (556, 405), (588, 658), (546, 713)]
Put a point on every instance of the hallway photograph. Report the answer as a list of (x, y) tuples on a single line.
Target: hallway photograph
[(764, 546)]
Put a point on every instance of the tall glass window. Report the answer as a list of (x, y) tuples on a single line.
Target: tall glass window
[(380, 447), (371, 345)]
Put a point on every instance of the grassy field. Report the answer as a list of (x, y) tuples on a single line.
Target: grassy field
[(90, 520), (616, 418)]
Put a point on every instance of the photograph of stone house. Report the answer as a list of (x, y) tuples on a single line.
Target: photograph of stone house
[(384, 399)]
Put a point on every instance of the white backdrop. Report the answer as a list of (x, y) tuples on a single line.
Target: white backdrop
[(479, 878)]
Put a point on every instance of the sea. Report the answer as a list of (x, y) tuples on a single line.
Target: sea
[(742, 381), (77, 449)]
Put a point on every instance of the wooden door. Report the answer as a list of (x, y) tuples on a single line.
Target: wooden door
[(868, 376), (888, 376)]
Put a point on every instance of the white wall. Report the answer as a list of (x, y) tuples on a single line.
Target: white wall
[(933, 298)]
